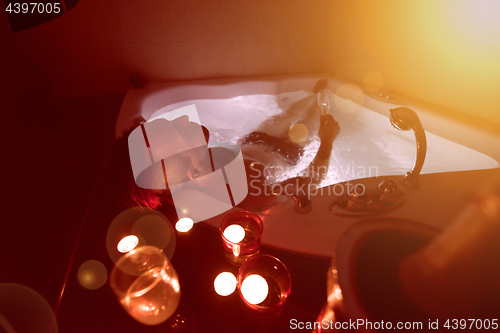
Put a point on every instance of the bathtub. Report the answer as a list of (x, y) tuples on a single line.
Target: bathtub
[(367, 142)]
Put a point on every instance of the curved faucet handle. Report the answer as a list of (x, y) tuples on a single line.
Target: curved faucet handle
[(404, 119)]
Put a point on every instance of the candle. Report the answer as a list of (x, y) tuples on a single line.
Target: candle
[(241, 232), (184, 225), (225, 283), (127, 244), (264, 283), (234, 233), (254, 289)]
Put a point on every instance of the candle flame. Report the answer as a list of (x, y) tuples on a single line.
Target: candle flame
[(254, 289), (234, 233), (225, 283), (127, 244), (184, 225)]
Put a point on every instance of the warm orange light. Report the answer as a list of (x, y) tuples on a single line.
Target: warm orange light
[(234, 233), (175, 285), (184, 225), (254, 289), (298, 133), (225, 283), (92, 274), (479, 19), (349, 98), (127, 244), (373, 81)]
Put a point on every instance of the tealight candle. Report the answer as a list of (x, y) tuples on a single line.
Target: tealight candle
[(184, 225), (241, 231), (127, 243), (225, 284), (264, 283), (254, 289), (234, 233)]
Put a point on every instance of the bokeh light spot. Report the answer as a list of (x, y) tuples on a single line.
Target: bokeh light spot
[(349, 98), (184, 225), (24, 310), (92, 274), (127, 243), (225, 283), (150, 226), (298, 133), (373, 81)]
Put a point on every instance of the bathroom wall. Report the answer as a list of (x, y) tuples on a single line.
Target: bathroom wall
[(434, 51), (93, 48), (415, 46)]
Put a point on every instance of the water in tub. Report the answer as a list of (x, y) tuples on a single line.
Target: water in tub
[(367, 145)]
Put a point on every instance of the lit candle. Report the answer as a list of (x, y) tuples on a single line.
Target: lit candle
[(225, 283), (184, 225), (127, 244), (234, 233), (240, 231), (254, 289)]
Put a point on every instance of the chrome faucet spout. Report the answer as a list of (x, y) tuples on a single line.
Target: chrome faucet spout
[(300, 192)]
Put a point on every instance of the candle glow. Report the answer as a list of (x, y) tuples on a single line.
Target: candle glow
[(225, 283), (234, 233), (184, 225), (127, 244), (254, 289)]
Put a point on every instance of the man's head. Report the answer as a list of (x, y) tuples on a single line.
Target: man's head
[(178, 168)]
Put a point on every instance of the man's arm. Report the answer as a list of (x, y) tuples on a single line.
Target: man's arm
[(328, 131)]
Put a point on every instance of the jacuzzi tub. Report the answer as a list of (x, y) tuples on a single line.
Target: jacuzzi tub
[(231, 107)]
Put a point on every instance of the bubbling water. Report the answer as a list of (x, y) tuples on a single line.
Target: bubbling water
[(367, 145)]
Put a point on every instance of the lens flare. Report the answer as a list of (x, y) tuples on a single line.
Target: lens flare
[(298, 133), (24, 310), (225, 283), (92, 274), (149, 226), (349, 98), (479, 19), (373, 81)]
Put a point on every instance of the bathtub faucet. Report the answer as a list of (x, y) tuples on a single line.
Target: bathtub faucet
[(298, 188), (404, 119)]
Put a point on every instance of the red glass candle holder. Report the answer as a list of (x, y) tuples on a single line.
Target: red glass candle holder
[(278, 281), (244, 240)]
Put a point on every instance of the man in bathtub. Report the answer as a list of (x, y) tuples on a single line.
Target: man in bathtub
[(272, 148)]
